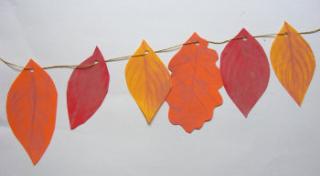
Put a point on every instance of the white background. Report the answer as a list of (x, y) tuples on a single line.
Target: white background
[(278, 138)]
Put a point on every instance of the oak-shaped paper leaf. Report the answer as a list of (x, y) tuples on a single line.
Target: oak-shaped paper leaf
[(195, 83)]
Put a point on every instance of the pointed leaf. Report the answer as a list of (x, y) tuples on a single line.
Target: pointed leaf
[(195, 84), (245, 71), (293, 62), (87, 88), (31, 110), (148, 80)]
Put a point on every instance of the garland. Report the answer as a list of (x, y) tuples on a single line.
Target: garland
[(191, 90)]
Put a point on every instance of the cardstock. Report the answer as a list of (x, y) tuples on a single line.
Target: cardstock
[(293, 62), (87, 88), (195, 84), (148, 80), (31, 110), (245, 71)]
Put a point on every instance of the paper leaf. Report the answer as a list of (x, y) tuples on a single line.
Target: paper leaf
[(293, 62), (195, 84), (31, 110), (148, 80), (87, 88), (245, 71)]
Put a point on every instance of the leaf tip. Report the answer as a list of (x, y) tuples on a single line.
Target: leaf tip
[(298, 101), (188, 130), (34, 161), (32, 62), (287, 26), (285, 23), (97, 50), (144, 42), (34, 157), (195, 37), (148, 116), (244, 30), (73, 125), (73, 122), (246, 113), (244, 34), (195, 34), (149, 121), (144, 45)]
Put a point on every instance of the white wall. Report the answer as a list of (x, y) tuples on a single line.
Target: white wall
[(278, 138)]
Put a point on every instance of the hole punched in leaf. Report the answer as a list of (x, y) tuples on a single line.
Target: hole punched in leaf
[(195, 42), (146, 52), (95, 62), (244, 38)]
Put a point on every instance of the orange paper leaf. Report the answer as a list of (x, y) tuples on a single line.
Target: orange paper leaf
[(293, 62), (148, 80), (31, 109), (195, 84)]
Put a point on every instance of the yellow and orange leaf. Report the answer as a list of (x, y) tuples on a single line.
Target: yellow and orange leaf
[(293, 62), (148, 80), (31, 110)]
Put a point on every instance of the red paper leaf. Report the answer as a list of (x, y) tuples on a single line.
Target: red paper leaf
[(31, 109), (245, 71), (195, 84), (87, 88)]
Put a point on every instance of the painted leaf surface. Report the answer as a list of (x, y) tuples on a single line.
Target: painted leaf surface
[(148, 80), (293, 62), (245, 71), (31, 110), (87, 88), (195, 84)]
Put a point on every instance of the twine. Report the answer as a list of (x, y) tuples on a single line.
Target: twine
[(165, 50)]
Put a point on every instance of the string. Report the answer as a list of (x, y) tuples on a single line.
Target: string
[(165, 50)]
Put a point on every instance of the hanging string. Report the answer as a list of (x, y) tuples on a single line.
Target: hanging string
[(165, 50)]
